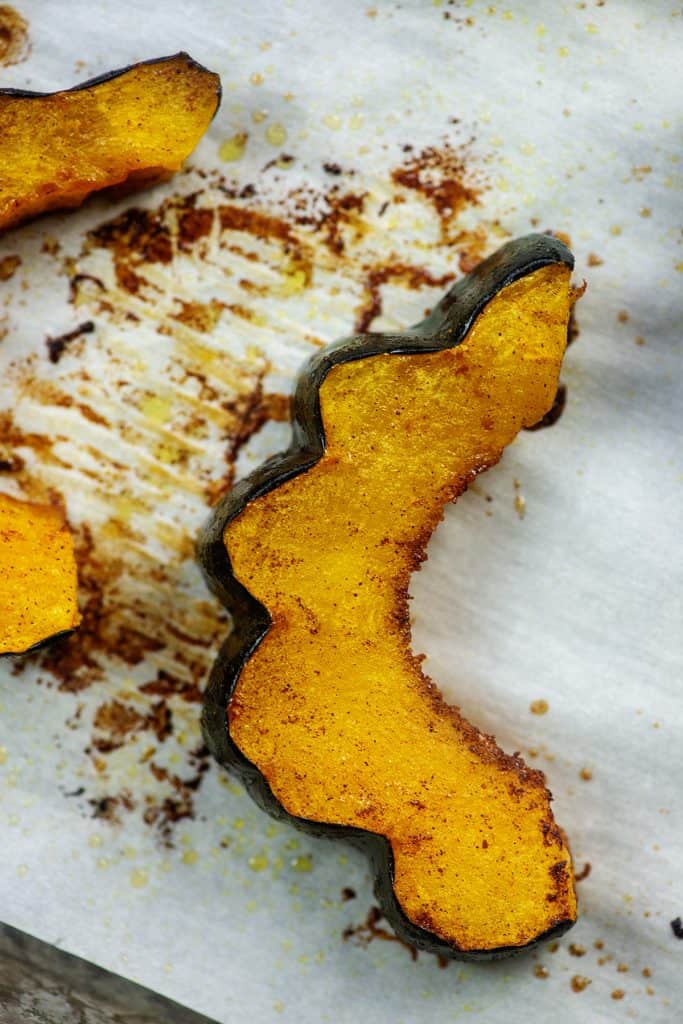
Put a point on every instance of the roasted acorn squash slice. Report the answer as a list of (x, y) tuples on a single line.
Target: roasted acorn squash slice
[(38, 581), (317, 699), (128, 128)]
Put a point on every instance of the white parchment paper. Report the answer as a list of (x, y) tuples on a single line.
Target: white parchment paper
[(565, 587)]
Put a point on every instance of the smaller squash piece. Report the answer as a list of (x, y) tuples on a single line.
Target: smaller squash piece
[(317, 699), (129, 128), (38, 579)]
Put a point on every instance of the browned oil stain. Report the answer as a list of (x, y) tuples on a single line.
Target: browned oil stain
[(57, 346), (15, 45), (136, 619), (371, 929), (9, 266), (441, 176)]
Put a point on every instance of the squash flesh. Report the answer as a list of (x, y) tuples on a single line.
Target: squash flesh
[(332, 707), (38, 579), (135, 128)]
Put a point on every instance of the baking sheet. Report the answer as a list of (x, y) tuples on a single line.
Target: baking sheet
[(388, 147)]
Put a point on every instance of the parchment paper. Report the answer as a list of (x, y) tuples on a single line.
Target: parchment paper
[(564, 587)]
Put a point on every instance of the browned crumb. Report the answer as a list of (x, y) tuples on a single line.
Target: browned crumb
[(618, 993), (622, 968), (594, 260), (598, 944), (586, 774), (540, 971), (622, 316), (9, 264), (639, 340), (578, 983), (646, 972), (539, 707), (553, 947), (576, 950)]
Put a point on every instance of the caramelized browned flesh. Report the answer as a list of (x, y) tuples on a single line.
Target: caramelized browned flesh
[(332, 706), (38, 580), (131, 128)]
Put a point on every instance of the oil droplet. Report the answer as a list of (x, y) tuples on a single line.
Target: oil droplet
[(539, 707), (22, 870), (130, 852), (276, 134), (333, 121), (303, 864), (256, 78), (259, 115), (238, 823), (190, 857), (355, 122), (232, 149), (258, 863), (102, 863), (278, 1006), (4, 754), (139, 878), (95, 841), (156, 409), (520, 506)]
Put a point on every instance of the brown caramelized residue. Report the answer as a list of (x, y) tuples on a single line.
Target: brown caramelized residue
[(15, 45), (583, 873), (131, 448), (56, 346), (412, 277), (365, 933), (9, 266), (579, 983), (443, 178)]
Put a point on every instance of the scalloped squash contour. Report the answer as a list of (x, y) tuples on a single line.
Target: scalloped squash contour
[(331, 706)]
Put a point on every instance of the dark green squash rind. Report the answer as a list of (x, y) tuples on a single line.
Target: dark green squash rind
[(446, 327), (40, 644), (30, 94)]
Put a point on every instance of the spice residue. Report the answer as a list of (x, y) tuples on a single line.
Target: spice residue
[(365, 933), (150, 417)]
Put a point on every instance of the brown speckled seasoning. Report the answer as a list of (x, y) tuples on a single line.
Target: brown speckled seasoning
[(128, 276)]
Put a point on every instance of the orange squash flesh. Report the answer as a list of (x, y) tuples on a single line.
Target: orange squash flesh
[(332, 707), (132, 127), (38, 581)]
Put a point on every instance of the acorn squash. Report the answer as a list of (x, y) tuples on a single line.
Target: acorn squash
[(317, 699), (129, 128), (38, 580)]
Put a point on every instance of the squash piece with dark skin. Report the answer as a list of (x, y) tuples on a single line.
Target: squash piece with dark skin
[(129, 129), (317, 699), (38, 579)]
